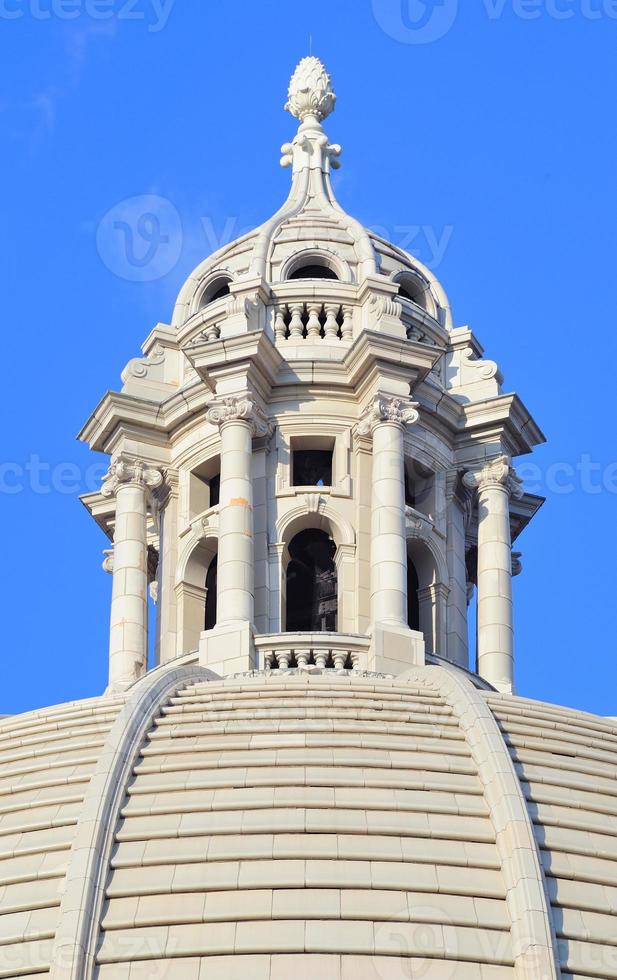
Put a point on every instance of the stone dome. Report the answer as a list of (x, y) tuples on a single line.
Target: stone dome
[(308, 823), (311, 473), (312, 232)]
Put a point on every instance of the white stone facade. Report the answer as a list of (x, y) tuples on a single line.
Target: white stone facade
[(310, 473), (312, 334)]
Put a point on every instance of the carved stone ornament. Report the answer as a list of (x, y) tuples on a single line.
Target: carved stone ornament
[(234, 408), (310, 91), (385, 409), (108, 560), (125, 470), (139, 367), (517, 564), (498, 472)]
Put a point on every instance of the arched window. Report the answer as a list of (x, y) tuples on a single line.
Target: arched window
[(211, 587), (313, 271), (414, 288), (413, 601), (312, 587), (218, 287)]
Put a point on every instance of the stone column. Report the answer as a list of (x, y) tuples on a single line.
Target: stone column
[(130, 481), (494, 485), (239, 419), (167, 601), (385, 419), (458, 501)]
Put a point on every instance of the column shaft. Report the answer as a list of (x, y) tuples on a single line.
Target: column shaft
[(495, 617), (128, 632), (236, 537), (388, 536)]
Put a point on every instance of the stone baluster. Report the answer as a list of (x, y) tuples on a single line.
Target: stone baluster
[(347, 328), (340, 659), (302, 657), (296, 327), (239, 419), (331, 326), (385, 419), (321, 658), (494, 485), (280, 329), (313, 327), (129, 481), (284, 657)]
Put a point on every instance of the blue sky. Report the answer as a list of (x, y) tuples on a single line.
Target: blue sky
[(482, 137)]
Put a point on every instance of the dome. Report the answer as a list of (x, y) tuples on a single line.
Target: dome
[(311, 236), (292, 772), (308, 823)]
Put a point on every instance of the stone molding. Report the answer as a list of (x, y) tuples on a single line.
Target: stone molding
[(239, 408), (385, 408), (534, 941), (497, 472), (74, 950), (125, 470)]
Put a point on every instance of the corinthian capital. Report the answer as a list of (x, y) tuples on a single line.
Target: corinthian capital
[(401, 411), (234, 408), (498, 472), (124, 470)]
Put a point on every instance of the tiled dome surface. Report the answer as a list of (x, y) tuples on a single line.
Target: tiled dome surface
[(331, 826)]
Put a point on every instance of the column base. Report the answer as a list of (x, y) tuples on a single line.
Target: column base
[(228, 649), (395, 649)]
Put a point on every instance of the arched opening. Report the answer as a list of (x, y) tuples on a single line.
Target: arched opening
[(211, 594), (311, 586), (413, 599), (313, 271), (218, 288), (412, 287), (427, 594), (196, 593)]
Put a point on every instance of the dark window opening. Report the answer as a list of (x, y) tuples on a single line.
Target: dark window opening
[(221, 291), (215, 489), (312, 604), (413, 603), (312, 468), (410, 493), (211, 588), (314, 272), (216, 289)]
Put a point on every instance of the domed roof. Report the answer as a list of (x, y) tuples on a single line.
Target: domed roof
[(311, 229), (333, 824)]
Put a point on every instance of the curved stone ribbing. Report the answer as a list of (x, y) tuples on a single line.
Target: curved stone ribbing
[(566, 761), (75, 941), (46, 761), (533, 934), (335, 825), (332, 824)]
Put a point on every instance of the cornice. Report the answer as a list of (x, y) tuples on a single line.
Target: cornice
[(504, 417)]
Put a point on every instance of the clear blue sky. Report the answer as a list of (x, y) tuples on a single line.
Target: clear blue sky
[(491, 128)]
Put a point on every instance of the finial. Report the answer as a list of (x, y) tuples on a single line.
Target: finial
[(310, 91)]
